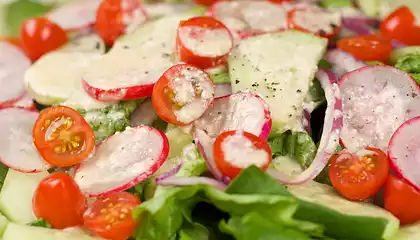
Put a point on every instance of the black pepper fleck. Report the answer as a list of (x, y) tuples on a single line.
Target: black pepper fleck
[(237, 81)]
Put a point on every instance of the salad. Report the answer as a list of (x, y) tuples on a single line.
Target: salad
[(207, 119)]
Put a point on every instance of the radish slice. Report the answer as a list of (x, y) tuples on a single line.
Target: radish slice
[(122, 161), (16, 145), (342, 62), (191, 181), (222, 90), (25, 102), (125, 73), (333, 123), (239, 111), (203, 42), (75, 15), (250, 16), (13, 64), (315, 20), (205, 146), (404, 151), (143, 115), (376, 101)]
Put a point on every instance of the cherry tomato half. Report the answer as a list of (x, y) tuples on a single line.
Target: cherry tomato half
[(59, 201), (367, 47), (182, 94), (328, 29), (358, 177), (205, 2), (39, 36), (110, 216), (401, 26), (402, 200), (62, 136), (196, 45), (235, 150), (115, 17)]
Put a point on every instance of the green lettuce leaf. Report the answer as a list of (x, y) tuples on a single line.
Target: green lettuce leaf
[(409, 63), (40, 222)]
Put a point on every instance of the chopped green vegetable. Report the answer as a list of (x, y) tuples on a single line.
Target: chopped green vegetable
[(20, 10), (222, 77), (193, 231), (298, 146), (107, 121), (316, 94), (324, 64), (374, 63), (410, 63), (336, 3), (3, 173), (416, 76), (40, 222)]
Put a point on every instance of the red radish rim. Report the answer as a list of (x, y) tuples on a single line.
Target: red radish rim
[(117, 94), (191, 181), (19, 104), (350, 74), (394, 159), (206, 152), (143, 175), (267, 123), (205, 61), (330, 133), (19, 169)]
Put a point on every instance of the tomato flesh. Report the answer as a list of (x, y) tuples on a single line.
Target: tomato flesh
[(110, 216), (402, 200), (39, 36), (62, 136), (401, 25), (164, 96), (358, 177), (367, 47), (59, 201), (114, 17), (224, 165)]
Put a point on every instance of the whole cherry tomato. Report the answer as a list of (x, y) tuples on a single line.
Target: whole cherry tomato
[(367, 47), (39, 36), (59, 201)]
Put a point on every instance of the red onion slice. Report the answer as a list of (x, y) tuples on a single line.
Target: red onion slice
[(333, 123)]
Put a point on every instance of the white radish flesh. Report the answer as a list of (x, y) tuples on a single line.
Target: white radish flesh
[(342, 62), (239, 111), (122, 161), (376, 101), (16, 145), (13, 64), (404, 151)]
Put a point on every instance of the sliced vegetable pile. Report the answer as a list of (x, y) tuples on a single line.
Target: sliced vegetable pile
[(280, 119)]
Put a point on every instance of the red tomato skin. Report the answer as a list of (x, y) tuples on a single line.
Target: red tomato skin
[(402, 200), (39, 36), (59, 201), (228, 169), (358, 190), (188, 56), (205, 2), (109, 18), (401, 25), (96, 219), (367, 47)]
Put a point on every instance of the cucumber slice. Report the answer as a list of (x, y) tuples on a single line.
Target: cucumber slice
[(22, 232), (16, 195), (4, 26), (281, 75), (401, 52), (56, 78), (3, 224), (369, 7), (88, 43), (343, 219)]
